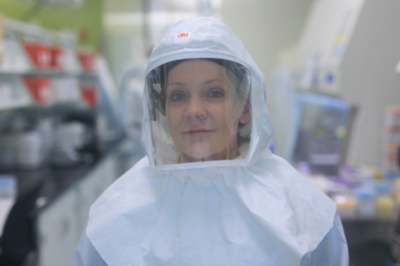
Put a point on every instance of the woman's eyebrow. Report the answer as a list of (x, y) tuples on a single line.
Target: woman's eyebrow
[(211, 81), (176, 84), (202, 83)]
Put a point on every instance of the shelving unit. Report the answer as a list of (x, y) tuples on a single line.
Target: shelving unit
[(31, 51), (43, 68)]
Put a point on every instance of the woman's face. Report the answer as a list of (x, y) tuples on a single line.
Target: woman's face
[(203, 111)]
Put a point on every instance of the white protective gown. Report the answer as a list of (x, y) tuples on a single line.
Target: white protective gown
[(256, 210)]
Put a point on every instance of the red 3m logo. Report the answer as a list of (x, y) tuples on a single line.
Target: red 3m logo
[(180, 35)]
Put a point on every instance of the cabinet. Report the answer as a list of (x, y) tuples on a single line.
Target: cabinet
[(61, 224), (58, 231)]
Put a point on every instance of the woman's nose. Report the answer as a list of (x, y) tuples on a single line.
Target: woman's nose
[(196, 109)]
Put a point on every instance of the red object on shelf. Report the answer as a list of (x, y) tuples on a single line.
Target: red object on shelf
[(39, 54), (57, 58), (89, 95), (39, 88), (87, 60)]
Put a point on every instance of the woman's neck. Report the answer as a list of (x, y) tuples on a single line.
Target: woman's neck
[(228, 154)]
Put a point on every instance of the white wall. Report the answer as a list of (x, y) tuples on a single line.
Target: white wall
[(267, 27)]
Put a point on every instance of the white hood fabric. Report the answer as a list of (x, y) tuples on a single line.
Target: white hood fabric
[(255, 211)]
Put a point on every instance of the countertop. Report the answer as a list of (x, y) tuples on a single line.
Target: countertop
[(53, 182)]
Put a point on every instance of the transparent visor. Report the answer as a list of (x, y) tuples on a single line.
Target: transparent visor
[(200, 110)]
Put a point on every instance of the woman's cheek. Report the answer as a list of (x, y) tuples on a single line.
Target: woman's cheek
[(230, 115), (174, 116), (218, 112)]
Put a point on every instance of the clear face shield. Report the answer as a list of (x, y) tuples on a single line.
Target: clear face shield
[(200, 110)]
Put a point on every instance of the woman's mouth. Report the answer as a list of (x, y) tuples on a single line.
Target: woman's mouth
[(198, 132)]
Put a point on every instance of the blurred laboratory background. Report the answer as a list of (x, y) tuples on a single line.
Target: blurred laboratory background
[(71, 82)]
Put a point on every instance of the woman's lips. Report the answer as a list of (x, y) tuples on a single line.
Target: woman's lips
[(198, 132)]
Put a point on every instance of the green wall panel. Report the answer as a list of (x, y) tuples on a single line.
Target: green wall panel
[(87, 17)]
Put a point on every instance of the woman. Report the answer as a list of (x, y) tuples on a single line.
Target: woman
[(204, 102), (209, 192)]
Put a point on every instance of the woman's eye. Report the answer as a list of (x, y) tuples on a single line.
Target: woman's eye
[(177, 97), (215, 94)]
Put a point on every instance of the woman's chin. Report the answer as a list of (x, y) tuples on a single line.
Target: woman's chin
[(200, 151), (204, 152), (199, 156), (206, 155)]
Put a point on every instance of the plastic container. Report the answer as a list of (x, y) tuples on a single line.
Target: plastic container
[(346, 205), (89, 94), (39, 87), (366, 203), (385, 207), (39, 54), (8, 186), (65, 89), (57, 58), (320, 182), (385, 204), (87, 60)]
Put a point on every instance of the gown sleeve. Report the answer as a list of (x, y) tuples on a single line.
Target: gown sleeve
[(86, 254), (332, 250)]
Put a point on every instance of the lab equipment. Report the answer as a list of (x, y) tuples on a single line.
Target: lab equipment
[(396, 192), (7, 151), (356, 175), (391, 141), (131, 113), (385, 205), (336, 56), (23, 143), (366, 202), (76, 140), (131, 101), (253, 209), (30, 149), (68, 138), (319, 133)]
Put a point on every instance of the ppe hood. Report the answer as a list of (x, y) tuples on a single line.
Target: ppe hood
[(204, 38)]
